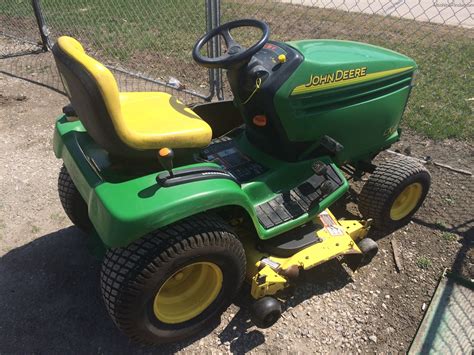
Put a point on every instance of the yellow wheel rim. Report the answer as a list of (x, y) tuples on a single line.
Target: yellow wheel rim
[(188, 292), (406, 201)]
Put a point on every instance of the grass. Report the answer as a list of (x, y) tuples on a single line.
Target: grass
[(34, 229), (442, 224), (449, 237), (57, 217), (155, 26), (423, 262), (120, 29), (449, 200), (157, 37)]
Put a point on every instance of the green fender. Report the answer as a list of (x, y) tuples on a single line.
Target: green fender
[(123, 213), (124, 207)]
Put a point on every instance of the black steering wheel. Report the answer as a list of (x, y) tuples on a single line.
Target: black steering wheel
[(236, 54)]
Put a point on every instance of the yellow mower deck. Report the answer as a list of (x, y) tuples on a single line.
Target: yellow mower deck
[(270, 274)]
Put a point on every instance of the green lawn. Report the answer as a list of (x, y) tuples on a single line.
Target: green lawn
[(124, 27), (121, 28), (158, 35)]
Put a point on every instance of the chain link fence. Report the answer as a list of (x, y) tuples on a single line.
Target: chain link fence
[(148, 44), (437, 34)]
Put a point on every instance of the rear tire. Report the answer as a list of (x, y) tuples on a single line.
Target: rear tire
[(147, 287), (72, 202), (394, 192)]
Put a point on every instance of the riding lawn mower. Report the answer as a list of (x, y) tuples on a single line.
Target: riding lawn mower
[(190, 202)]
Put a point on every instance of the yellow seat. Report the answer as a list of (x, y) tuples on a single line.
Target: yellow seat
[(157, 119), (141, 120)]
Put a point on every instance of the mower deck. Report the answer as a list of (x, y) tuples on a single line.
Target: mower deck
[(269, 271)]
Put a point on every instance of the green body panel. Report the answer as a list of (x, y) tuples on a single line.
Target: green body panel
[(363, 116), (123, 208), (362, 110)]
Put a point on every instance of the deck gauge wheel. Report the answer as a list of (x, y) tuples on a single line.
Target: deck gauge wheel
[(265, 312), (369, 249)]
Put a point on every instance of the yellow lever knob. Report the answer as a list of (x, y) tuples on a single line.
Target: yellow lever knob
[(282, 58)]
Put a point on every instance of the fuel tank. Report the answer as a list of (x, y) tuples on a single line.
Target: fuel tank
[(353, 92)]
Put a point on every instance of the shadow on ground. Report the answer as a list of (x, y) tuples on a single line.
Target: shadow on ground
[(50, 301)]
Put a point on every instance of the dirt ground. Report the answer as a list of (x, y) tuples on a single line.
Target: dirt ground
[(50, 300)]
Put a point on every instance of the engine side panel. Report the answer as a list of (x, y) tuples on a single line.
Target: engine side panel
[(353, 92)]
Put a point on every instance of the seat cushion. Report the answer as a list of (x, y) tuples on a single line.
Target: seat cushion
[(153, 120)]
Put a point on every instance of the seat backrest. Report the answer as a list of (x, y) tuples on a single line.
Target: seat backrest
[(94, 95)]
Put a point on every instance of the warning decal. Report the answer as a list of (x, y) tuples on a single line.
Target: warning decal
[(330, 224)]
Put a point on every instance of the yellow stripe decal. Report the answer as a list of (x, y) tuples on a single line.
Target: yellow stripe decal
[(338, 79)]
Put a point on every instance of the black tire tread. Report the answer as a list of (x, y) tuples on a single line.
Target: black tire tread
[(381, 185), (73, 204), (123, 273)]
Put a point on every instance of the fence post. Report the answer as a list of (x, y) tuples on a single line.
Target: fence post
[(44, 33), (210, 48), (217, 20), (213, 20)]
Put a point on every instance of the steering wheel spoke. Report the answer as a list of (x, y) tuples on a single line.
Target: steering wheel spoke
[(229, 40)]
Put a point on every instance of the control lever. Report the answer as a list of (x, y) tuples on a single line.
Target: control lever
[(331, 144), (320, 168), (327, 187), (165, 157)]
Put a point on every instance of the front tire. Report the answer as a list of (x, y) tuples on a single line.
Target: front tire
[(174, 282), (394, 192)]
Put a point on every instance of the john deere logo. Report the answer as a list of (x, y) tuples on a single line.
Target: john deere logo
[(341, 78), (338, 75)]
